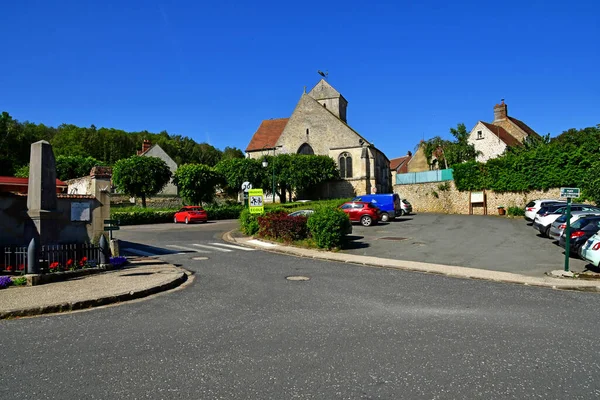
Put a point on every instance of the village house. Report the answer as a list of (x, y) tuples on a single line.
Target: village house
[(150, 150), (492, 139), (318, 125)]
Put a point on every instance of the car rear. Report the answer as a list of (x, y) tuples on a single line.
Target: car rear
[(406, 207), (590, 251), (197, 214), (533, 207), (546, 216)]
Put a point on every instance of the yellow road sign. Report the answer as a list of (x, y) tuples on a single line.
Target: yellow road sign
[(255, 201)]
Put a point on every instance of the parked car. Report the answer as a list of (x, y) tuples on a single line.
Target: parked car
[(590, 251), (306, 213), (559, 225), (406, 207), (189, 214), (532, 207), (389, 204), (549, 213), (545, 216), (362, 211), (582, 229)]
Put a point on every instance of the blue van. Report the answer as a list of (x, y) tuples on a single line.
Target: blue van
[(389, 204)]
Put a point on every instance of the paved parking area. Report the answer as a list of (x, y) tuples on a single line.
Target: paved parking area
[(474, 241)]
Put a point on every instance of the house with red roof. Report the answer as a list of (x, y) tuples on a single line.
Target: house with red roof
[(318, 125), (492, 139)]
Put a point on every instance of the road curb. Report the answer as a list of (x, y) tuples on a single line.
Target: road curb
[(97, 302), (434, 269)]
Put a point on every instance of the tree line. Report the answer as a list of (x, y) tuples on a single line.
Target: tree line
[(101, 146)]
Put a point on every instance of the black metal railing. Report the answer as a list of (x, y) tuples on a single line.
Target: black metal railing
[(61, 257)]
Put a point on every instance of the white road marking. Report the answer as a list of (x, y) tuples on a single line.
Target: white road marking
[(212, 248), (232, 246), (140, 252), (187, 248), (263, 244)]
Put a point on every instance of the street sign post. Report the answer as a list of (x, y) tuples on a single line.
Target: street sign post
[(255, 201), (568, 193), (111, 225)]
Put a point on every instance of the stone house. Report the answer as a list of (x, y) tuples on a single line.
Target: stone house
[(492, 139), (399, 165), (149, 150), (318, 125)]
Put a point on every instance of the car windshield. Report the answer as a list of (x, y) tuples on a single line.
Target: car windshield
[(530, 204)]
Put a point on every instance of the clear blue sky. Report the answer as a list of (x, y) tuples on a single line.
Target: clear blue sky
[(213, 70)]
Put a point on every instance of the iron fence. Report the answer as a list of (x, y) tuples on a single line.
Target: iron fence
[(76, 255)]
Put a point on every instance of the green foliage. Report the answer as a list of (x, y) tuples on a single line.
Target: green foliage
[(19, 281), (236, 171), (142, 216), (516, 211), (591, 183), (328, 227), (69, 167), (139, 176), (540, 164), (248, 222), (197, 182), (22, 171), (443, 153), (280, 226), (224, 211), (107, 145)]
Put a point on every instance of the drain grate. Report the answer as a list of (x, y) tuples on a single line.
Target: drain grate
[(393, 238), (297, 278)]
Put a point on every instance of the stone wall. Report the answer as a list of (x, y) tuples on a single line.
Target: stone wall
[(121, 200), (443, 197)]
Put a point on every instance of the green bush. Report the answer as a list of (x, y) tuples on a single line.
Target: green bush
[(224, 211), (280, 226), (248, 222), (142, 216), (516, 211), (328, 227)]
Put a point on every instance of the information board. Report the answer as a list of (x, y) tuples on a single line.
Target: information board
[(80, 211)]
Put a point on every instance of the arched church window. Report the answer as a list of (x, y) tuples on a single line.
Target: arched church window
[(306, 149), (345, 163)]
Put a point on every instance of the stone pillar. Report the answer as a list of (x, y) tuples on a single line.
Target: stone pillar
[(100, 188), (41, 193)]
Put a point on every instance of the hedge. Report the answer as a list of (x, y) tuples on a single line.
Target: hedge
[(141, 216)]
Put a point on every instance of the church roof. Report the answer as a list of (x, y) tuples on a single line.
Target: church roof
[(267, 134), (502, 134), (323, 90)]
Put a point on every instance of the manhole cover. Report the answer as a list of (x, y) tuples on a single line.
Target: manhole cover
[(297, 278), (393, 238)]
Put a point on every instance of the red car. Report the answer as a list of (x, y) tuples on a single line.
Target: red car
[(361, 211), (190, 214)]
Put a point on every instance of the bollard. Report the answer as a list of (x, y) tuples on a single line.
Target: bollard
[(104, 251), (33, 259)]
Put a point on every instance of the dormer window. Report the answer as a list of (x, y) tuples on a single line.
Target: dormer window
[(479, 135)]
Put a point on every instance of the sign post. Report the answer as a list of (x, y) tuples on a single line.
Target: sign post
[(568, 193), (113, 225), (245, 187), (255, 201)]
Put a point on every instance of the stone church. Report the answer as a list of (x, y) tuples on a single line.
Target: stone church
[(318, 126)]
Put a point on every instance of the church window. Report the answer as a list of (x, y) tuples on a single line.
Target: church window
[(479, 135), (345, 163), (306, 149)]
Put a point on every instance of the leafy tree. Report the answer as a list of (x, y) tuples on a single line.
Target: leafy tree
[(236, 171), (232, 152), (70, 167), (197, 182), (140, 176), (591, 183), (448, 153)]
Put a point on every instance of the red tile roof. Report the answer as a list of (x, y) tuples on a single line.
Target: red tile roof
[(398, 162), (524, 127), (267, 134), (503, 134), (11, 180)]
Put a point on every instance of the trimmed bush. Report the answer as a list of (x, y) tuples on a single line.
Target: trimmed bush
[(248, 222), (142, 216), (224, 211), (328, 227), (280, 226), (516, 211)]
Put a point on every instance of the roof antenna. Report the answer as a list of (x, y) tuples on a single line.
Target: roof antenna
[(323, 74)]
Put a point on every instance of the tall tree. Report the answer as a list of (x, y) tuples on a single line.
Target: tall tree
[(140, 176), (197, 182)]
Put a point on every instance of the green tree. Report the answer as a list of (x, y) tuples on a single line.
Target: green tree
[(236, 171), (447, 153), (232, 152), (70, 167), (197, 182), (140, 176)]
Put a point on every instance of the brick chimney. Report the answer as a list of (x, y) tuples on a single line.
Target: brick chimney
[(145, 146), (500, 111)]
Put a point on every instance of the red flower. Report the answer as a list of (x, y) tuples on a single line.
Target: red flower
[(69, 262), (54, 265), (9, 268), (21, 267), (83, 261)]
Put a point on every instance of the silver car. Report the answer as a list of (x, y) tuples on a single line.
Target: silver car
[(560, 224)]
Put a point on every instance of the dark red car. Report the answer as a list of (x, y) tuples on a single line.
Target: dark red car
[(189, 214), (361, 211)]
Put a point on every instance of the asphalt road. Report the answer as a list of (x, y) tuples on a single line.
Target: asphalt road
[(486, 242), (240, 330)]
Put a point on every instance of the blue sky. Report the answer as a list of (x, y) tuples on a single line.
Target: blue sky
[(214, 70)]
